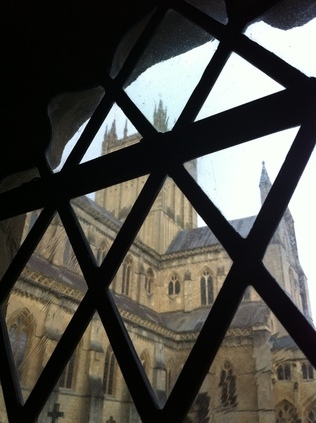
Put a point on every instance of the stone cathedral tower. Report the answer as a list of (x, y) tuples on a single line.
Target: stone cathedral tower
[(171, 212)]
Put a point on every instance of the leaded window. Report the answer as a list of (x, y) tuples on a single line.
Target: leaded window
[(162, 155), (284, 372), (18, 336), (227, 384), (287, 413), (310, 413), (307, 371), (67, 377), (174, 286)]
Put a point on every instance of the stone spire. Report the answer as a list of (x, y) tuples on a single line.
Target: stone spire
[(160, 120), (264, 184)]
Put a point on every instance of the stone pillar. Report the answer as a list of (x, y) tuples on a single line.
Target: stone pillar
[(263, 376), (160, 372), (96, 399)]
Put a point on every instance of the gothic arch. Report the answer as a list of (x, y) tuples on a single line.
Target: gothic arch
[(170, 374), (285, 412), (149, 281), (310, 413), (102, 251), (283, 371), (67, 378), (174, 286), (109, 372), (21, 326), (145, 360), (127, 277), (206, 287), (227, 384)]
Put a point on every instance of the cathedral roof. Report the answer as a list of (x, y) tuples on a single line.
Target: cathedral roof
[(204, 237), (282, 343), (249, 314), (58, 273)]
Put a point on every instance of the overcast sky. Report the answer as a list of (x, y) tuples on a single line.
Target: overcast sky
[(231, 177)]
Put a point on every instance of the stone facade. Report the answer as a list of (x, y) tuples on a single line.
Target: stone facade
[(164, 290)]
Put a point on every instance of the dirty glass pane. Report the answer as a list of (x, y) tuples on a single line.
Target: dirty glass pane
[(216, 10), (291, 44), (69, 113), (238, 83), (183, 70), (234, 178)]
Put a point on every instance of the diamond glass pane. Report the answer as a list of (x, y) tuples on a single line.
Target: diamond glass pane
[(238, 83)]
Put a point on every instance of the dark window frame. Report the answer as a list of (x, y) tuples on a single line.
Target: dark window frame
[(160, 155)]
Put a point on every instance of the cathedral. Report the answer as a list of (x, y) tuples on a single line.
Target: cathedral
[(163, 291)]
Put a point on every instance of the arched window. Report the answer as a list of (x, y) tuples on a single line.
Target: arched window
[(169, 375), (109, 372), (67, 377), (307, 371), (149, 281), (227, 384), (206, 286), (286, 413), (101, 252), (310, 413), (284, 372), (174, 286), (144, 358), (19, 334), (127, 275)]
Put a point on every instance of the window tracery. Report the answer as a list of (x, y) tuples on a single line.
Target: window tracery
[(174, 286), (310, 413), (286, 413), (19, 334), (307, 371), (228, 385), (207, 289)]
